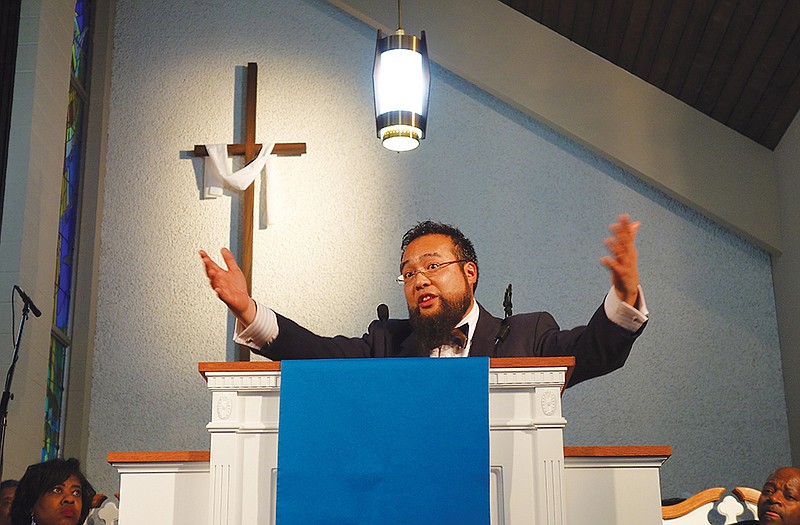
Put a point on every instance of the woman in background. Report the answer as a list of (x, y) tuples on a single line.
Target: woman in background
[(52, 493), (8, 489)]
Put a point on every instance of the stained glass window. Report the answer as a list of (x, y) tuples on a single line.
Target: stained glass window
[(60, 339)]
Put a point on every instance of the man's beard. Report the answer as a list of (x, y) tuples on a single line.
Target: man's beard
[(433, 331)]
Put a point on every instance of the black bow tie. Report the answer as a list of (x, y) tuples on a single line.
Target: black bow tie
[(459, 336)]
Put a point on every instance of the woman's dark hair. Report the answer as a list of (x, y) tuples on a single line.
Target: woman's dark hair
[(40, 478)]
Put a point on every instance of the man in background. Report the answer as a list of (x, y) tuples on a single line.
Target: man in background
[(8, 490), (779, 503)]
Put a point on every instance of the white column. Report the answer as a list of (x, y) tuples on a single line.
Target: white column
[(244, 446), (527, 446)]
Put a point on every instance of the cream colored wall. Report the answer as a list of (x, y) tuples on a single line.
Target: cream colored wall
[(657, 137), (787, 276), (30, 214)]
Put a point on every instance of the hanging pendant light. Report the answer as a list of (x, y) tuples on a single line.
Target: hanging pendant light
[(401, 80)]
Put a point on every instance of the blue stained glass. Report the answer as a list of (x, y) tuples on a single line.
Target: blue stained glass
[(79, 40), (55, 393), (67, 227)]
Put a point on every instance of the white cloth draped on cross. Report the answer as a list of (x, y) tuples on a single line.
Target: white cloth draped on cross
[(218, 172)]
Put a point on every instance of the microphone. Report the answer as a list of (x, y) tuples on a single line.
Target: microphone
[(507, 306), (383, 313), (27, 301), (383, 317)]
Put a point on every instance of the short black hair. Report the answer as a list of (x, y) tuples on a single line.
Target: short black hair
[(40, 478), (464, 248), (7, 484)]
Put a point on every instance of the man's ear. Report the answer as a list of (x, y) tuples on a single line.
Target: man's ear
[(471, 271)]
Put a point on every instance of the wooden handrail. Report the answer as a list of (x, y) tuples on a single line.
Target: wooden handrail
[(693, 502), (617, 451), (747, 494), (180, 456), (205, 455), (98, 500)]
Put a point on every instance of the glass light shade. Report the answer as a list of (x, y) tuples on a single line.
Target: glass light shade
[(401, 78), (400, 81)]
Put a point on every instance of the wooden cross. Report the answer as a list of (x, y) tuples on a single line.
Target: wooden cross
[(250, 150)]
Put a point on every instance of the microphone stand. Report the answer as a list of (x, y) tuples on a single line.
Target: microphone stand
[(504, 328), (7, 395)]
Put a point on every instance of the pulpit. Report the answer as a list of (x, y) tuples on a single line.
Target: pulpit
[(531, 479)]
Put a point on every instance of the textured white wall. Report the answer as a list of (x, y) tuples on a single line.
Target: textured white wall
[(787, 277), (535, 204)]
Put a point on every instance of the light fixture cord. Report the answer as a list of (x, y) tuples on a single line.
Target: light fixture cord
[(399, 14)]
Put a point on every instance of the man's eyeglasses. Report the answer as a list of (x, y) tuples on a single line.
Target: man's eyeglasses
[(427, 271)]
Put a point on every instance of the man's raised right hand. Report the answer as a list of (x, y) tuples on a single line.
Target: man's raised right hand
[(230, 286)]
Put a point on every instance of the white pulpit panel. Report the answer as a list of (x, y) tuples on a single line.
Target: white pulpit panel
[(162, 488), (530, 481), (614, 485), (526, 440)]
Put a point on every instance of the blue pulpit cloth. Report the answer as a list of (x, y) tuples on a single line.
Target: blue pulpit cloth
[(384, 441)]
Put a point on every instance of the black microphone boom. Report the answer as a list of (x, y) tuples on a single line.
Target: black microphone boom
[(383, 317), (504, 328), (502, 333), (508, 308), (27, 300), (7, 395)]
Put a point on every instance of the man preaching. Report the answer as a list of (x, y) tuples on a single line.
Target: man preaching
[(439, 273)]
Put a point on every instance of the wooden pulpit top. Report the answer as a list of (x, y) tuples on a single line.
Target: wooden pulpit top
[(495, 362), (195, 456), (618, 451)]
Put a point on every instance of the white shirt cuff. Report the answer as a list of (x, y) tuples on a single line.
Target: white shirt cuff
[(261, 332), (622, 314)]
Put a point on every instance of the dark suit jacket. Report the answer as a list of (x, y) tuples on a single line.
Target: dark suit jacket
[(599, 347)]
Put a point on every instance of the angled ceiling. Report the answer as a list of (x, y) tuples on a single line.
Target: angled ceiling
[(736, 61)]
